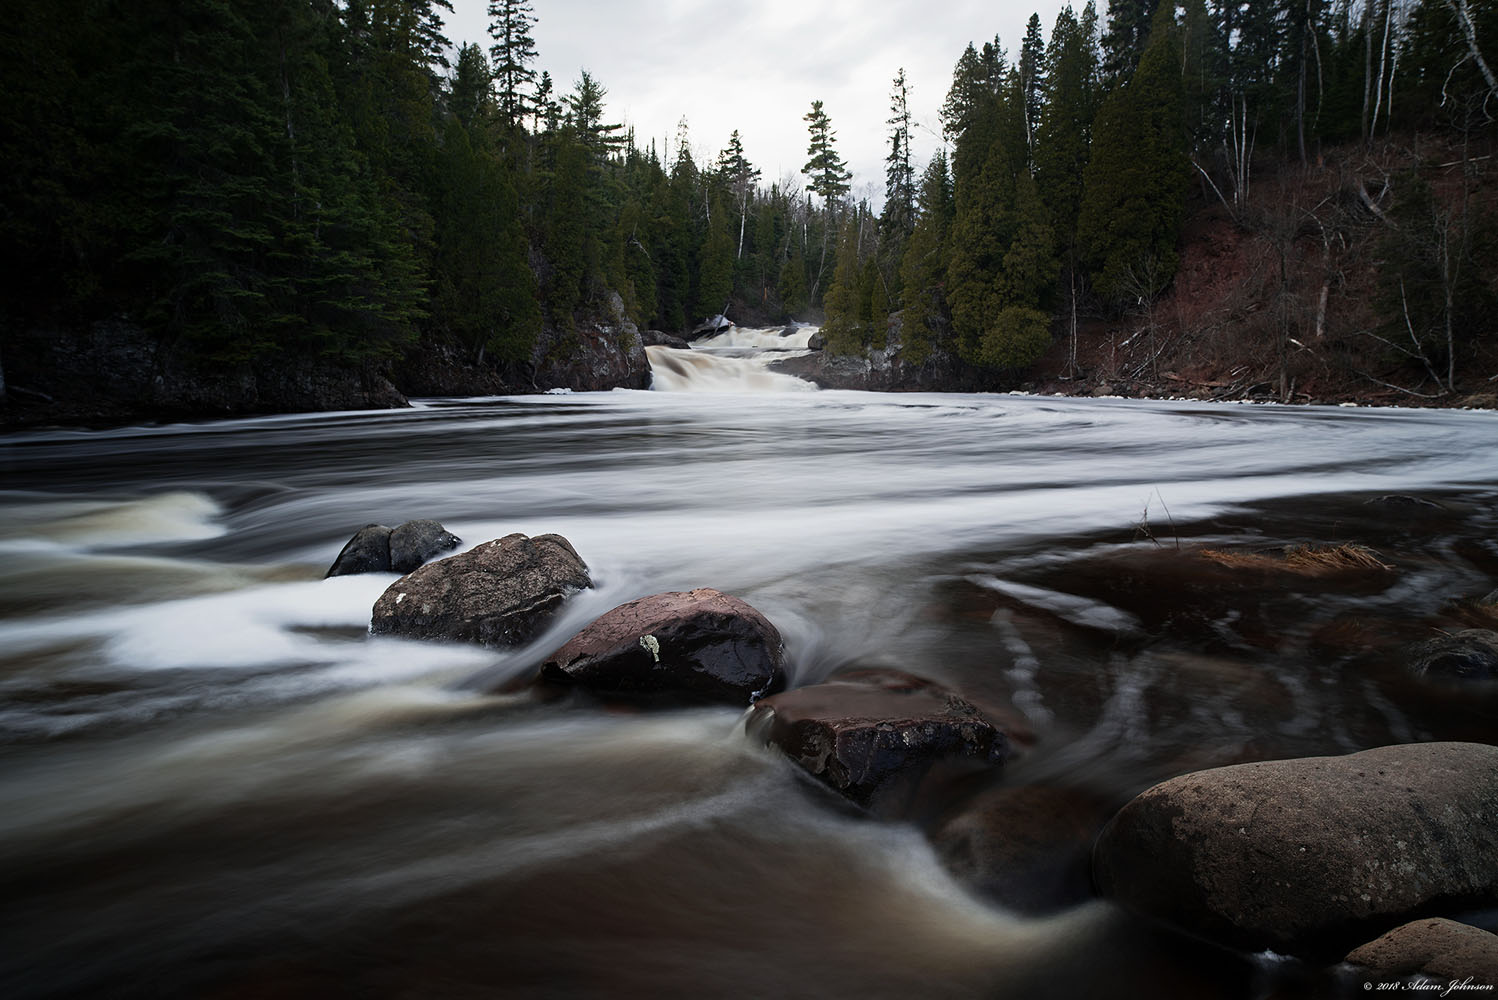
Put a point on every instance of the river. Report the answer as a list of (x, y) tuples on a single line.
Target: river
[(214, 782)]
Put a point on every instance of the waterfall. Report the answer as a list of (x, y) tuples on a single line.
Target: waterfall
[(735, 361)]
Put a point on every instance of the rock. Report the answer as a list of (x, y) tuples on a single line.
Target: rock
[(367, 552), (500, 593), (414, 542), (876, 735), (710, 326), (1309, 855), (790, 331), (816, 342), (701, 644), (888, 368), (1443, 949), (1027, 847), (1469, 655), (655, 338)]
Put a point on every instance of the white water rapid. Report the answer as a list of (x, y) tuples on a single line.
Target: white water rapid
[(735, 361), (215, 782)]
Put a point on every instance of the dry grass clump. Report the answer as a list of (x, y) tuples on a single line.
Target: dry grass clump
[(1306, 560)]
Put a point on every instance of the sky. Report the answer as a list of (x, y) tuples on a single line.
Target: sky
[(756, 66)]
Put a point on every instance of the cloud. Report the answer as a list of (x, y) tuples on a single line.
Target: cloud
[(757, 67)]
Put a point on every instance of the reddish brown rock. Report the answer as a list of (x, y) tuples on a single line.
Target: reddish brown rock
[(1443, 949), (1314, 855), (877, 735), (500, 593), (1027, 847), (699, 645)]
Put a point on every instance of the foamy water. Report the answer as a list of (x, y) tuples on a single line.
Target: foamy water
[(214, 777)]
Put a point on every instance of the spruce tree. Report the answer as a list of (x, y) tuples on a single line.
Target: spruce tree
[(1032, 80), (1135, 185), (924, 268), (1124, 42), (845, 329), (512, 53), (829, 175)]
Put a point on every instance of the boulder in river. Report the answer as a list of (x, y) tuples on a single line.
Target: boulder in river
[(367, 552), (1311, 855), (1440, 948), (414, 542), (1469, 655), (500, 593), (700, 645), (710, 326), (877, 735), (1027, 847)]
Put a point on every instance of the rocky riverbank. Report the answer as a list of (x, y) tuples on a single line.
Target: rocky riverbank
[(116, 372), (1378, 866)]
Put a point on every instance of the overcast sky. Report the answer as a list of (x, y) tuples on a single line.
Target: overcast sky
[(756, 66)]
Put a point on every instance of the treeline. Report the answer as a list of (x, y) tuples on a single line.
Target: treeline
[(311, 178), (1071, 164), (334, 179)]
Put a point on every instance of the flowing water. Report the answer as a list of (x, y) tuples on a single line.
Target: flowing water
[(214, 782)]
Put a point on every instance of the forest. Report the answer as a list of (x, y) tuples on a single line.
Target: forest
[(293, 179)]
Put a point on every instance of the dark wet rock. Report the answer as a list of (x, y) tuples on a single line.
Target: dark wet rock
[(710, 326), (367, 552), (790, 331), (817, 342), (378, 549), (655, 338), (414, 542), (700, 644), (887, 367), (500, 593), (1027, 847), (1469, 655), (1440, 948), (1311, 855), (877, 735), (1404, 504), (115, 369)]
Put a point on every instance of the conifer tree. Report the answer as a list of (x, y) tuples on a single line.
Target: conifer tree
[(829, 175), (845, 328), (899, 175), (923, 270), (512, 53), (1032, 79), (1124, 41), (1134, 188), (740, 175)]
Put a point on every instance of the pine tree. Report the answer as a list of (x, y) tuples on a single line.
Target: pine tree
[(923, 270), (512, 53), (585, 110), (846, 329), (829, 175), (1135, 185), (898, 217), (740, 176), (1124, 41), (486, 293), (1032, 80)]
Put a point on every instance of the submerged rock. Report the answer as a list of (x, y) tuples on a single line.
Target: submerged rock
[(876, 735), (414, 542), (1308, 855), (367, 552), (1443, 949), (1027, 847), (1469, 655), (378, 549), (500, 593), (700, 644)]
